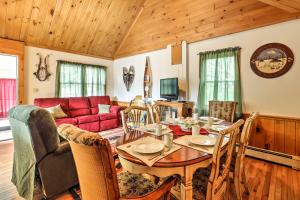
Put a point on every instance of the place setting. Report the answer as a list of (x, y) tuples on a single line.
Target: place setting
[(149, 149), (156, 129)]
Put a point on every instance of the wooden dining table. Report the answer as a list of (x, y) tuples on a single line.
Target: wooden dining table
[(183, 162)]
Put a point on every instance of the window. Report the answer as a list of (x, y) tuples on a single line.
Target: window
[(76, 80), (219, 78)]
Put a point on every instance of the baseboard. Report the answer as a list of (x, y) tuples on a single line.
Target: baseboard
[(275, 157)]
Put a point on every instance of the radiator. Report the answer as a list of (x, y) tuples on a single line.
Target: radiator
[(273, 156)]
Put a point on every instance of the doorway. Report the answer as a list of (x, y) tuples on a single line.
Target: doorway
[(8, 91)]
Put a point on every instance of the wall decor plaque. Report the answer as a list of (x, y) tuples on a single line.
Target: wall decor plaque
[(128, 77), (272, 60)]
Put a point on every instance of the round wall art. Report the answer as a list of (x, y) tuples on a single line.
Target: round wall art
[(272, 60)]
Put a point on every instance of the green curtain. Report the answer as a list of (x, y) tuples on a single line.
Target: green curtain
[(76, 79), (219, 78)]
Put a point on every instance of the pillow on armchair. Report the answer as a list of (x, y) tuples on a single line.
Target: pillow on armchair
[(57, 112), (103, 108)]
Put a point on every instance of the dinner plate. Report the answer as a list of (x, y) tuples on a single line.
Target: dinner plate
[(152, 127), (148, 148), (203, 140), (205, 118), (218, 127)]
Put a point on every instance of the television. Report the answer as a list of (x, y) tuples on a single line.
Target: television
[(169, 88)]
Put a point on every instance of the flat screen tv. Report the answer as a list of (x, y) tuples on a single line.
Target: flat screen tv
[(169, 88)]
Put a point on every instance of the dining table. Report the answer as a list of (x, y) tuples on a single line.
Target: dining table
[(183, 162)]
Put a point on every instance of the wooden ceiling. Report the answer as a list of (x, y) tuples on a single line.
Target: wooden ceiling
[(165, 22), (93, 27), (117, 28)]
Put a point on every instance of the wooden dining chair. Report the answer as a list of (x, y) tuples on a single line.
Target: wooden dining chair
[(135, 116), (158, 112), (211, 183), (239, 168), (97, 174), (222, 110)]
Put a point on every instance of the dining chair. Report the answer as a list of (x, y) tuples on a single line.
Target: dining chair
[(239, 168), (223, 110), (135, 116), (212, 183), (97, 174), (137, 101), (158, 112)]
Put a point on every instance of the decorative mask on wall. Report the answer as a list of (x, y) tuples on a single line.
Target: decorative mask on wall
[(42, 73), (128, 77)]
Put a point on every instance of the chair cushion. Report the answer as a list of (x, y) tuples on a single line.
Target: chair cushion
[(107, 116), (79, 106), (200, 181), (66, 121), (87, 119), (133, 185)]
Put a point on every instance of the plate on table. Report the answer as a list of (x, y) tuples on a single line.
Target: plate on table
[(152, 127), (215, 120), (203, 141), (148, 148), (218, 128)]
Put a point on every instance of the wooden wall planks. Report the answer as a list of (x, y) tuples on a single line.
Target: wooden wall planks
[(274, 133)]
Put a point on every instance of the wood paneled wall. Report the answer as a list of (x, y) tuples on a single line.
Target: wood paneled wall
[(275, 133), (16, 48)]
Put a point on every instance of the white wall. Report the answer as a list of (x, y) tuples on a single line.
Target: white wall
[(41, 89), (278, 96), (161, 68)]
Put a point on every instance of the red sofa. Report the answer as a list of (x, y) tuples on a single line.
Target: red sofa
[(83, 112)]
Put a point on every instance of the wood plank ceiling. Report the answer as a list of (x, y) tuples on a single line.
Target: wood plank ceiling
[(117, 28), (168, 21), (93, 27)]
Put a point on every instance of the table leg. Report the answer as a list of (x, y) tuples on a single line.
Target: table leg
[(187, 184)]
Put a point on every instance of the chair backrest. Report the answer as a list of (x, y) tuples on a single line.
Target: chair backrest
[(222, 110), (217, 183), (94, 162), (136, 116), (159, 112), (38, 124), (244, 141)]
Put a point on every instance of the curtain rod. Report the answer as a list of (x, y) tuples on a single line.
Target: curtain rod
[(217, 50), (81, 63)]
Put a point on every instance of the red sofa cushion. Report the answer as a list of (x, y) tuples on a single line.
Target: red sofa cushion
[(93, 126), (87, 119), (107, 116), (79, 106), (66, 121), (108, 124), (94, 101), (50, 102)]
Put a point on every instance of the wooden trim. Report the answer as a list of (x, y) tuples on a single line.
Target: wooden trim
[(129, 30), (68, 51), (176, 54), (283, 5), (16, 48)]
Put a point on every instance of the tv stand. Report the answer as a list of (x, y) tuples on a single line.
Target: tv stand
[(184, 109)]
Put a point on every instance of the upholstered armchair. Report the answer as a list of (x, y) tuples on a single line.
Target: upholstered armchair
[(222, 110), (38, 149)]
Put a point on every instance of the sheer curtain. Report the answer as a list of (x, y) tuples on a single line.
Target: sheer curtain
[(7, 96), (76, 80), (219, 78)]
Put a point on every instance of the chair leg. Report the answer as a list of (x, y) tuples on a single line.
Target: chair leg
[(245, 183)]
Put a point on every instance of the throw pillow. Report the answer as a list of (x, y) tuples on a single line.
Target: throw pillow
[(103, 108), (57, 112)]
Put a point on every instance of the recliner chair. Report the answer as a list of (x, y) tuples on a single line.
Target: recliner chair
[(34, 130)]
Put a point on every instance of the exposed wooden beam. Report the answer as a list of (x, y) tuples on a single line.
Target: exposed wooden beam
[(291, 6), (131, 26)]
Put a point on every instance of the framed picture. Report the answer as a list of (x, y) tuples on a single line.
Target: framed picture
[(272, 60)]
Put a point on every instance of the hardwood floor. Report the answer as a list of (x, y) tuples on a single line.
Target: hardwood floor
[(266, 180)]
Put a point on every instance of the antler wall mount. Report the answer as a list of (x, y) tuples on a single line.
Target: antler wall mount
[(42, 73)]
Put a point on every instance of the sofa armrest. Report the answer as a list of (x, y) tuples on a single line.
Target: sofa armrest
[(116, 109), (62, 148)]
